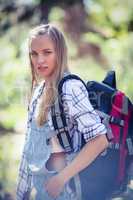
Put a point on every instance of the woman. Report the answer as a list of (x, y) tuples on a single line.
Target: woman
[(45, 167)]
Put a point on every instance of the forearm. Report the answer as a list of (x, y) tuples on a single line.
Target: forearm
[(85, 157)]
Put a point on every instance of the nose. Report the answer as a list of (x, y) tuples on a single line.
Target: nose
[(41, 59)]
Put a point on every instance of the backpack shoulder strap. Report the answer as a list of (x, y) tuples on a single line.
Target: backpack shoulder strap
[(59, 122), (68, 77)]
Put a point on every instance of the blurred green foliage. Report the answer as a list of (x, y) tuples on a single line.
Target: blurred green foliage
[(113, 19)]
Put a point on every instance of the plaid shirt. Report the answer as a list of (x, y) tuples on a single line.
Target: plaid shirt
[(81, 119)]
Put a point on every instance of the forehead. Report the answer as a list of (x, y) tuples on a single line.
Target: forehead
[(41, 42)]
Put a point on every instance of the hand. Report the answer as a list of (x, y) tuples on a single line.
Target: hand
[(55, 185)]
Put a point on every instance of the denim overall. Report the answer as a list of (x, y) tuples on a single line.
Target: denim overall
[(37, 151)]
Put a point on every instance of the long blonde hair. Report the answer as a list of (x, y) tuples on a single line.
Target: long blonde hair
[(49, 96)]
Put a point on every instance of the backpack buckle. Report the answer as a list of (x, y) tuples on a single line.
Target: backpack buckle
[(117, 121)]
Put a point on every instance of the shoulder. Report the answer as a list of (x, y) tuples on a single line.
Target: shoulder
[(38, 88), (37, 91), (74, 86)]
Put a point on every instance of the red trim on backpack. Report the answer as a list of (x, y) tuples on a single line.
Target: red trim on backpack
[(117, 108)]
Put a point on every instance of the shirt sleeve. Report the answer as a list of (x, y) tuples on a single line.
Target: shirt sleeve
[(80, 109), (24, 180)]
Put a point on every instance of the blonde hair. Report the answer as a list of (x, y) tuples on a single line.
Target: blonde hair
[(49, 96)]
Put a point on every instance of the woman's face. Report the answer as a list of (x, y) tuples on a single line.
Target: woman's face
[(43, 56)]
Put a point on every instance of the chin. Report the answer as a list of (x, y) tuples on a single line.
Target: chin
[(45, 76)]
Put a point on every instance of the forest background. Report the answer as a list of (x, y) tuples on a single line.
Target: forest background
[(99, 36)]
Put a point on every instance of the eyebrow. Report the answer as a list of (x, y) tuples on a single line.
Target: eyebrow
[(32, 50)]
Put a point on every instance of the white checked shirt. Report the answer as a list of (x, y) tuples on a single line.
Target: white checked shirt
[(81, 119)]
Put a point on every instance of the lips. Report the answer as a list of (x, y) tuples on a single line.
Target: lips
[(42, 67)]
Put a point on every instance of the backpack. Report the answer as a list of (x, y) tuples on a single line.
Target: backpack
[(116, 112)]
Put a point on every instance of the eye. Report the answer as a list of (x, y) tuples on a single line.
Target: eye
[(47, 52), (33, 53)]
